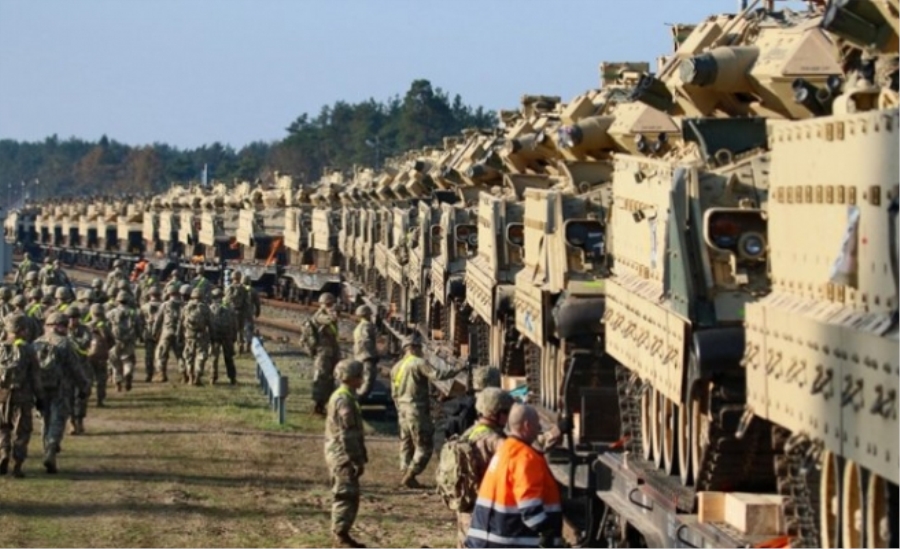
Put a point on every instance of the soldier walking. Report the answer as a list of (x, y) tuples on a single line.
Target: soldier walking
[(196, 320), (409, 387), (239, 297), (222, 335), (81, 338), (364, 349), (20, 390), (98, 353), (327, 352), (125, 323), (345, 451), (61, 375), (149, 310), (165, 330)]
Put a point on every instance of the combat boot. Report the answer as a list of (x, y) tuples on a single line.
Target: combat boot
[(319, 409), (163, 378), (345, 540), (50, 461), (73, 429), (409, 481), (100, 403), (4, 465), (185, 378), (128, 383), (17, 470), (118, 386), (79, 426)]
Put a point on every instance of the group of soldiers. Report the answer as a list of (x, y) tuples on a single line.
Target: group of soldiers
[(59, 345), (480, 417)]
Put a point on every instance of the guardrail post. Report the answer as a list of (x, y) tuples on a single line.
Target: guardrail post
[(273, 384)]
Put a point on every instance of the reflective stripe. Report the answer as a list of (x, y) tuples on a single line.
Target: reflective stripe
[(522, 541), (18, 342), (484, 502), (398, 377), (345, 392), (34, 309), (478, 430), (531, 522), (525, 504)]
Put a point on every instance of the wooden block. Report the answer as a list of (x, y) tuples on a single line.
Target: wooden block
[(437, 335), (755, 514), (711, 506)]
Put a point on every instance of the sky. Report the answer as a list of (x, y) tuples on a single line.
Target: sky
[(193, 72)]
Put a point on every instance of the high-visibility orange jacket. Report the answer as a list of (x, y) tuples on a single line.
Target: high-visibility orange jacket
[(517, 501)]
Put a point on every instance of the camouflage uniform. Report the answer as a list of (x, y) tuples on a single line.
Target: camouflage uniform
[(125, 322), (239, 297), (81, 337), (149, 311), (409, 387), (364, 350), (25, 267), (253, 311), (20, 389), (222, 334), (327, 355), (195, 324), (114, 277), (201, 282), (165, 330), (61, 376), (98, 352), (99, 295), (345, 452)]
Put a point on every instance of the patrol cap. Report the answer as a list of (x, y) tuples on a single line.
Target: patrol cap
[(56, 319), (15, 323), (348, 369)]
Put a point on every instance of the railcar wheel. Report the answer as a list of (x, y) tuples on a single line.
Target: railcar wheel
[(830, 501), (852, 519), (699, 431), (669, 413), (657, 427), (684, 444), (879, 529), (648, 396)]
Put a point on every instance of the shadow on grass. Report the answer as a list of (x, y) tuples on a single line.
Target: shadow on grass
[(236, 481), (87, 509)]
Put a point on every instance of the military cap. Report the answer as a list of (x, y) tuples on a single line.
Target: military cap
[(348, 369), (62, 292), (55, 319), (493, 401)]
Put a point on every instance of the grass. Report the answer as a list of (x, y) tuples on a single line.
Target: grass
[(168, 465)]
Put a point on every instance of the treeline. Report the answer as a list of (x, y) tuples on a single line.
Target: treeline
[(340, 136)]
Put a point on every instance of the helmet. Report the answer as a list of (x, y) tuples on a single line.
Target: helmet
[(217, 292), (185, 289), (15, 323), (62, 293), (18, 300), (55, 319), (237, 275), (412, 340), (172, 289), (35, 293), (118, 263), (47, 298), (155, 291), (326, 299), (97, 284), (363, 310), (348, 369), (196, 293), (484, 377), (31, 276), (6, 293), (492, 402), (122, 297), (84, 295), (73, 311), (123, 285), (56, 263), (98, 310)]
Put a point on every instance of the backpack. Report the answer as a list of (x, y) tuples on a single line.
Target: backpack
[(193, 317), (221, 321), (123, 328), (457, 477), (309, 336), (51, 374), (12, 373)]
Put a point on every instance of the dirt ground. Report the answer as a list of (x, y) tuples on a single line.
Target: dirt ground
[(169, 465)]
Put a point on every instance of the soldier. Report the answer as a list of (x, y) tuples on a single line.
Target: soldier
[(254, 310), (409, 388), (195, 320), (200, 281), (98, 353), (345, 451), (185, 292), (6, 294), (239, 298), (125, 323), (493, 405), (84, 299), (114, 276), (61, 375), (165, 331), (20, 389), (222, 335), (149, 311), (145, 282), (64, 298), (31, 281), (364, 349), (25, 267), (327, 352), (99, 295), (461, 412), (34, 326), (81, 337)]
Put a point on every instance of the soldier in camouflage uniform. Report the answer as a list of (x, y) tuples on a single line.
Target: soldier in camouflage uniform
[(31, 280), (185, 292), (364, 349), (493, 405), (61, 376), (149, 311), (99, 294), (201, 282), (98, 352), (165, 330), (196, 321), (327, 354), (34, 312), (345, 451), (25, 267), (239, 297), (64, 298), (460, 412), (409, 387), (222, 335), (114, 276), (84, 299), (34, 326), (253, 312), (20, 389), (81, 337), (125, 322), (6, 294)]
